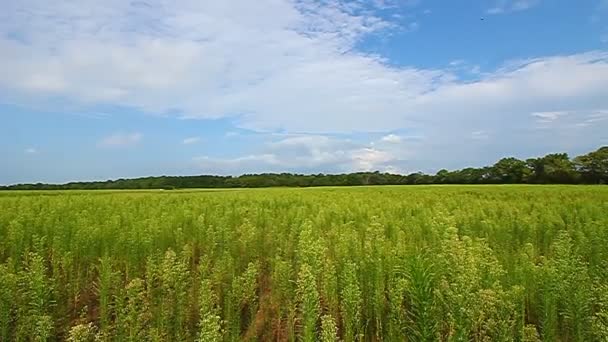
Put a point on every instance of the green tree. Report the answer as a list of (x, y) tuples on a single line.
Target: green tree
[(510, 170), (442, 176), (593, 166), (559, 168), (552, 168)]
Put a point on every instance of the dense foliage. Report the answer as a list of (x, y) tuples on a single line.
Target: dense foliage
[(449, 263), (558, 168)]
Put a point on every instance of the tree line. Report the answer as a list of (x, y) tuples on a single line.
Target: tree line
[(555, 168)]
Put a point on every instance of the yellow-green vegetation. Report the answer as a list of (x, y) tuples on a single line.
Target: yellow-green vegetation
[(449, 263)]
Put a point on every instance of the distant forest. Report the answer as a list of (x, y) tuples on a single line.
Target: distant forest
[(556, 168)]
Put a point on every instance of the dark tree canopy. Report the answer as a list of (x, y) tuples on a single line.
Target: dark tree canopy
[(556, 168), (593, 166)]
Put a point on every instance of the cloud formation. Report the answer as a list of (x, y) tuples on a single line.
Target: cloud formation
[(315, 153), (506, 6), (191, 140), (391, 138), (209, 60), (302, 71), (546, 117), (120, 140)]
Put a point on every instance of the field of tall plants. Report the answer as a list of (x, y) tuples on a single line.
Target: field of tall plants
[(420, 263)]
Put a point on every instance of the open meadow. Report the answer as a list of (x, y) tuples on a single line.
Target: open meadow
[(393, 263)]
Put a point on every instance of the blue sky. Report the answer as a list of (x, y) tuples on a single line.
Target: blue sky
[(107, 89)]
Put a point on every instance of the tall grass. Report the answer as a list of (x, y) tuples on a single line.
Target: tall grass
[(452, 263)]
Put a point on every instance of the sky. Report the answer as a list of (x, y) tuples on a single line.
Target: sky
[(95, 90)]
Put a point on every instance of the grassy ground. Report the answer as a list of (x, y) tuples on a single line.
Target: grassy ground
[(418, 263)]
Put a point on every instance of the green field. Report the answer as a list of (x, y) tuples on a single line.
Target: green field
[(419, 263)]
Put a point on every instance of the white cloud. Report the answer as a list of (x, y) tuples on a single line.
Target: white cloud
[(239, 165), (495, 10), (180, 58), (309, 153), (394, 170), (457, 62), (161, 56), (383, 4), (479, 135), (579, 118), (462, 67), (191, 140), (538, 85), (31, 150), (391, 138), (209, 59), (545, 117), (368, 159), (121, 140), (597, 118), (506, 6), (600, 115)]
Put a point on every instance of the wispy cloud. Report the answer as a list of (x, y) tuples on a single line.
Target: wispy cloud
[(31, 150), (191, 140), (462, 67), (546, 117), (578, 125), (391, 138), (506, 6), (479, 135), (457, 62), (593, 118), (120, 140)]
